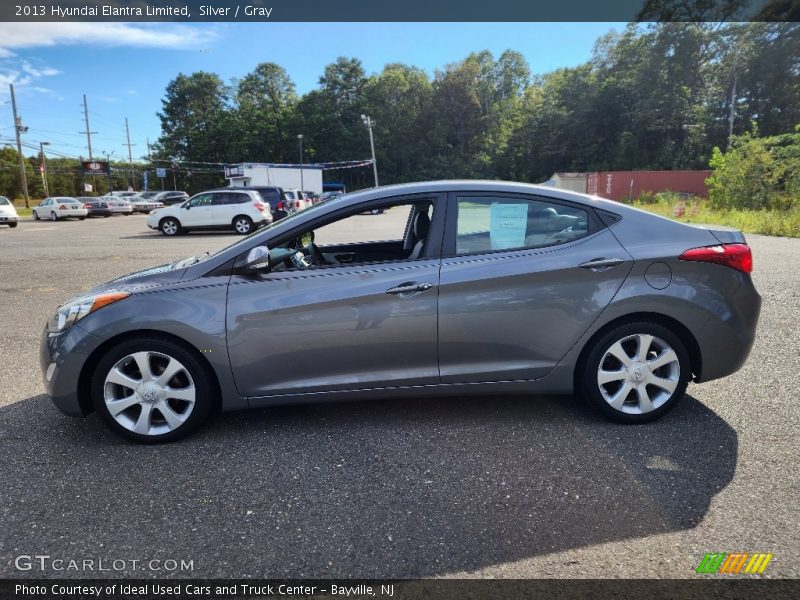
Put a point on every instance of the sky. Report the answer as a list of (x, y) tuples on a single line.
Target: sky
[(123, 68)]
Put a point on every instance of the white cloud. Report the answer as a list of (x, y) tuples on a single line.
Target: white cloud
[(24, 74), (170, 36)]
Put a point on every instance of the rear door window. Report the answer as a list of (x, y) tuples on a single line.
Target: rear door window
[(490, 224)]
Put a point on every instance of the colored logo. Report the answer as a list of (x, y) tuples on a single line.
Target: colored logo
[(735, 562)]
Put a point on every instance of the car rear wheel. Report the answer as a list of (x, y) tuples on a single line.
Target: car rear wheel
[(170, 227), (53, 216), (81, 218), (636, 372), (12, 224), (243, 225), (152, 390)]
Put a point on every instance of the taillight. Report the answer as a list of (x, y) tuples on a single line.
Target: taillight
[(259, 206), (62, 207), (297, 204), (279, 206), (735, 256), (87, 206)]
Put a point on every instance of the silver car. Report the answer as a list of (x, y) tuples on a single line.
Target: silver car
[(463, 287), (59, 207), (8, 214)]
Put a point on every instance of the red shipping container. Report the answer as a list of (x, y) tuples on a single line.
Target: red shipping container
[(624, 185)]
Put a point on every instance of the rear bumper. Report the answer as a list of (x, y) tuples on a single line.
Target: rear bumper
[(725, 343), (8, 219), (61, 358)]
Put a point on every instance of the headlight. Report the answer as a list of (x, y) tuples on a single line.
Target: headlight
[(72, 312)]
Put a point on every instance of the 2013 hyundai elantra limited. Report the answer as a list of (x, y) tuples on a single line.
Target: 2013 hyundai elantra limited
[(457, 287)]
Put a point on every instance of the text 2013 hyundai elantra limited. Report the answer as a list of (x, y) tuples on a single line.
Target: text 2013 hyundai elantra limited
[(457, 287)]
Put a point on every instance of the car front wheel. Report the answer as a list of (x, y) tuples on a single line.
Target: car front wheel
[(243, 225), (152, 390), (35, 216), (170, 227), (636, 372)]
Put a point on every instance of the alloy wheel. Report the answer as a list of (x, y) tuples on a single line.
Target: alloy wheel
[(149, 393), (242, 226), (169, 227), (638, 374)]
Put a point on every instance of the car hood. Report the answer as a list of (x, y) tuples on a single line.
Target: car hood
[(143, 280)]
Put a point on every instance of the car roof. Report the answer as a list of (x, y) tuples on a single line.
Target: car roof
[(473, 185)]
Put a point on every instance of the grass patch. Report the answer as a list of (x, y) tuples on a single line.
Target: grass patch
[(698, 211)]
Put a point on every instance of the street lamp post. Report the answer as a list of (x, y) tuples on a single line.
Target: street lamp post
[(44, 168), (108, 160), (369, 122), (302, 186)]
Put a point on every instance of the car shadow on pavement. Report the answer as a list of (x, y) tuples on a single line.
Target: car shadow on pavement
[(373, 489)]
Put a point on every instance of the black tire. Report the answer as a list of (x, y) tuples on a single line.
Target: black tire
[(242, 224), (53, 216), (170, 226), (12, 224), (205, 389), (81, 218), (35, 215), (590, 388)]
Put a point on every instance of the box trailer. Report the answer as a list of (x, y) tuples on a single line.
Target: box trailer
[(308, 179), (625, 185)]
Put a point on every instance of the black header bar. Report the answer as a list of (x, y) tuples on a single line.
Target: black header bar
[(397, 10)]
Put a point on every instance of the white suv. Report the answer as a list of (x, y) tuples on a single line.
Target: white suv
[(238, 209)]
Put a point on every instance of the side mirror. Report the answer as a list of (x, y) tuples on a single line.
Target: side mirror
[(257, 259)]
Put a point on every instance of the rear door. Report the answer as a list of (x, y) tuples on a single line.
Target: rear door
[(517, 287)]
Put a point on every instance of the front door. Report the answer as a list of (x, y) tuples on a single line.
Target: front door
[(366, 317), (197, 212)]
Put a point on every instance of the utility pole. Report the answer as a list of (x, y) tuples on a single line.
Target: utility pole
[(18, 128), (88, 133), (369, 124), (130, 155), (44, 168)]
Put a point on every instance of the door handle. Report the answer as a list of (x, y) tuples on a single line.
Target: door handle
[(601, 263), (409, 288)]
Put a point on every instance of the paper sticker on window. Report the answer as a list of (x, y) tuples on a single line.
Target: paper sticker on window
[(507, 225)]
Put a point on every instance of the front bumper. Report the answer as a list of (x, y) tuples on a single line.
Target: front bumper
[(62, 357)]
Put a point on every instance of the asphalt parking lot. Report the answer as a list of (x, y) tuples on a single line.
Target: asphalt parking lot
[(479, 487)]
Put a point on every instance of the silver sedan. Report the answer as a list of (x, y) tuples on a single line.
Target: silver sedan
[(457, 288), (59, 207)]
